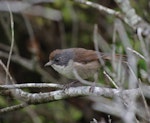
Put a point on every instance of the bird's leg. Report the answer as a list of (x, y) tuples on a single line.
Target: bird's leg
[(66, 86), (94, 83)]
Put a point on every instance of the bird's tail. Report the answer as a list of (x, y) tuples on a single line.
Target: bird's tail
[(115, 57)]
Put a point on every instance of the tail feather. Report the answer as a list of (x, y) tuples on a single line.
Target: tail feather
[(116, 57)]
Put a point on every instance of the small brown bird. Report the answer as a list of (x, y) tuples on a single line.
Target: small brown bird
[(85, 62)]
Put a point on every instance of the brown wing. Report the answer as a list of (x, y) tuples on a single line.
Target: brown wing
[(84, 56)]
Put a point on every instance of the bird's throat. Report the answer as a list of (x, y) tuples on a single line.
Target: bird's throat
[(66, 71)]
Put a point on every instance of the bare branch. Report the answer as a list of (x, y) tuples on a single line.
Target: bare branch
[(129, 15), (137, 53), (38, 98), (32, 85), (101, 8), (111, 80), (132, 19), (12, 40), (13, 108)]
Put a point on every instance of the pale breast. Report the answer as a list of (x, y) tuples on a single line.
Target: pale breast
[(84, 71)]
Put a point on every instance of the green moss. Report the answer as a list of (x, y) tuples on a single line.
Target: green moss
[(2, 102)]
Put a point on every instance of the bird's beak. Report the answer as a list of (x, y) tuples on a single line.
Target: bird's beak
[(48, 64)]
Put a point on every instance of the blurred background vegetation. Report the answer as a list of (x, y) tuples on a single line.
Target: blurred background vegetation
[(41, 27)]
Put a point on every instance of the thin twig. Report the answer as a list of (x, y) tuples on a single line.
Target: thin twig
[(81, 79), (101, 8), (32, 85), (143, 45), (111, 80), (13, 108), (12, 41), (137, 53), (7, 72), (95, 33), (132, 72)]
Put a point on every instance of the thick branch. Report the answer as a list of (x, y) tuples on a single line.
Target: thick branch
[(132, 19), (39, 98)]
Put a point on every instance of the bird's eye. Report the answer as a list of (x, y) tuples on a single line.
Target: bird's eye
[(57, 60)]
